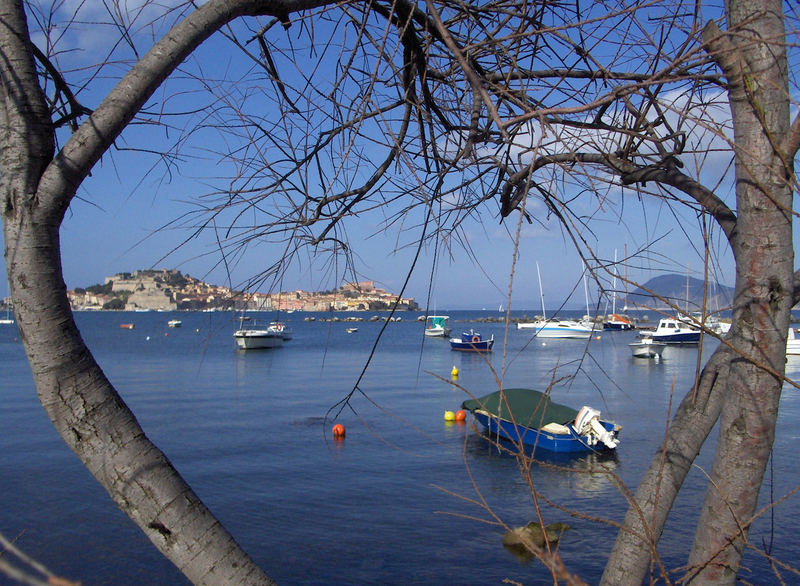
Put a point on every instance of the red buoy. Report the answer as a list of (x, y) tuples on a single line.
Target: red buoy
[(338, 431), (461, 415)]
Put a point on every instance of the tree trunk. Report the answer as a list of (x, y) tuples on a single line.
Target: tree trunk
[(741, 390), (753, 59), (82, 404)]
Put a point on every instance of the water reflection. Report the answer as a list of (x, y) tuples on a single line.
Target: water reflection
[(584, 474)]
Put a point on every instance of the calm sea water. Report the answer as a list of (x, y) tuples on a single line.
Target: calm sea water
[(403, 499)]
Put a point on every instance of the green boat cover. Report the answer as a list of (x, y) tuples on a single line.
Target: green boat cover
[(530, 408)]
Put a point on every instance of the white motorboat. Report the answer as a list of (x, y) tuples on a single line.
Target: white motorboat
[(252, 336), (672, 330), (174, 323), (646, 347), (252, 339), (436, 326)]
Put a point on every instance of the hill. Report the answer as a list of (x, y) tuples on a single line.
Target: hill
[(673, 288)]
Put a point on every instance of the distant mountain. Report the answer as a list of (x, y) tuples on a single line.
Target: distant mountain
[(673, 289)]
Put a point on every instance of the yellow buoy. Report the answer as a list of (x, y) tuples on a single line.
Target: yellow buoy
[(449, 416), (454, 372)]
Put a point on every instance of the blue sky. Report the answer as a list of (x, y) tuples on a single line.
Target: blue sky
[(121, 230), (118, 224)]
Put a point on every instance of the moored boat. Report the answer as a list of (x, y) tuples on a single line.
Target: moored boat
[(436, 326), (557, 328), (174, 323), (618, 322), (472, 341), (554, 328), (646, 347), (674, 331), (529, 417), (252, 336)]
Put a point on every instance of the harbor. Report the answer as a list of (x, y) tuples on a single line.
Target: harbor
[(393, 501)]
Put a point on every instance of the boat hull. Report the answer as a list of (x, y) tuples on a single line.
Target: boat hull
[(257, 339), (617, 326), (647, 349), (542, 440), (576, 334), (678, 338), (437, 332), (481, 346), (472, 341), (557, 329)]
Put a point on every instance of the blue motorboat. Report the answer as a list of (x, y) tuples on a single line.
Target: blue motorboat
[(528, 417), (675, 331), (472, 341)]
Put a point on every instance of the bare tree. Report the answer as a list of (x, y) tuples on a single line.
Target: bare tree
[(427, 112)]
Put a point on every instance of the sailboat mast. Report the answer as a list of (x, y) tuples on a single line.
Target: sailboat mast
[(625, 284), (614, 286), (541, 292), (687, 288), (585, 290)]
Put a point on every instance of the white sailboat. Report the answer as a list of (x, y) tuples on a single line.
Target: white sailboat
[(588, 321), (554, 328), (616, 321)]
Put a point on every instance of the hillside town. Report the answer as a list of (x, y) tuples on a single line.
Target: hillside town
[(170, 290)]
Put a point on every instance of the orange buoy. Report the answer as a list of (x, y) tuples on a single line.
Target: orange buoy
[(461, 415), (338, 431)]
